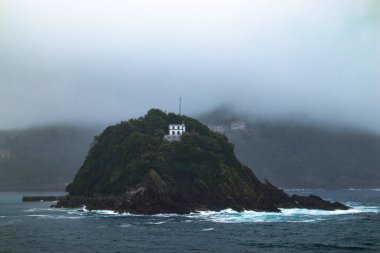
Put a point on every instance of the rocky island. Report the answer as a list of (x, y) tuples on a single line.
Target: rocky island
[(133, 167)]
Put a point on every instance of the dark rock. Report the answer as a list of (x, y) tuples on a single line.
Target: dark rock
[(130, 168), (315, 202), (156, 194)]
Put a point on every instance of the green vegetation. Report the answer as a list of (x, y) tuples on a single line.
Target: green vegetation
[(123, 154)]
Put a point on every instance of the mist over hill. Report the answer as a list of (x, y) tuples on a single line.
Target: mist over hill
[(43, 158), (294, 154), (288, 153)]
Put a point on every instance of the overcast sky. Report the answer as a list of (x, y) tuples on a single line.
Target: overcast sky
[(105, 61)]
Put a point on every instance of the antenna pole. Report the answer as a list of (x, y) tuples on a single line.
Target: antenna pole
[(180, 105)]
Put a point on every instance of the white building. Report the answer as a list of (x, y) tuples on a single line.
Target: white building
[(218, 128), (238, 125), (175, 132), (177, 129)]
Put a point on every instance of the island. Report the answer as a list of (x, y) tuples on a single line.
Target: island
[(171, 163)]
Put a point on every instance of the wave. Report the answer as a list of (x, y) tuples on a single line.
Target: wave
[(362, 189), (286, 215), (224, 216), (47, 216), (85, 212), (156, 223), (31, 210), (125, 225)]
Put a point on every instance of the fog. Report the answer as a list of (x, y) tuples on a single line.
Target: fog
[(104, 61)]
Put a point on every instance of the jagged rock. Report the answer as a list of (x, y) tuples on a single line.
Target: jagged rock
[(315, 202), (156, 194)]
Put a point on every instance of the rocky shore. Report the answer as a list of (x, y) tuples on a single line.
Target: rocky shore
[(132, 168), (157, 194)]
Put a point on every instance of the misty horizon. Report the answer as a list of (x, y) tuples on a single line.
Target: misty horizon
[(99, 62)]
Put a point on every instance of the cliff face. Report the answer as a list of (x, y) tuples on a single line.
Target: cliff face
[(130, 168)]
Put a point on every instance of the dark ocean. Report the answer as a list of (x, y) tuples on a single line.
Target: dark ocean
[(36, 227)]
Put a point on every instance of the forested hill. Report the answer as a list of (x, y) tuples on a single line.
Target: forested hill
[(122, 155), (288, 154), (296, 155), (132, 168), (43, 158)]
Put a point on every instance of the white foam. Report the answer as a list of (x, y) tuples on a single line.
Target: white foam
[(39, 215), (31, 210), (165, 215), (85, 211), (363, 189), (67, 217), (106, 212), (45, 216), (157, 223), (315, 212), (125, 225), (224, 216), (286, 215)]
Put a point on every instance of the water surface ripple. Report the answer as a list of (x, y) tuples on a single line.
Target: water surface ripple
[(36, 227)]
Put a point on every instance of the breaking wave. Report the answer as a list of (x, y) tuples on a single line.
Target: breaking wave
[(286, 215), (224, 216), (363, 189)]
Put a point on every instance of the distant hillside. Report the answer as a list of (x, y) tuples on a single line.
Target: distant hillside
[(288, 154), (296, 155), (43, 158)]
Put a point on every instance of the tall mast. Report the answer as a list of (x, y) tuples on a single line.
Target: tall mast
[(180, 105)]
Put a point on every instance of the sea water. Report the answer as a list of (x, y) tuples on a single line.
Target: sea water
[(36, 227)]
